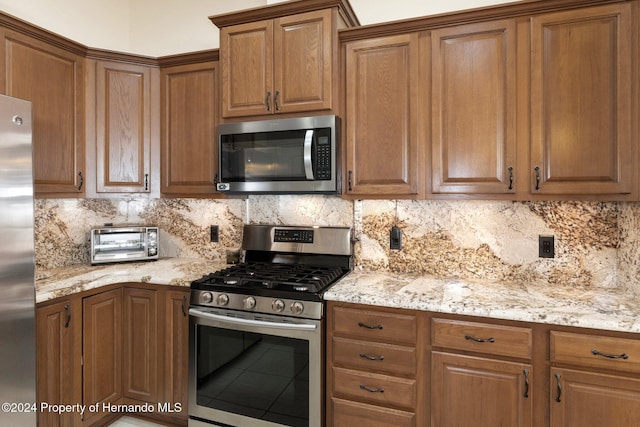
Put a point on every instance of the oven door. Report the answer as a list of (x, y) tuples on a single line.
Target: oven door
[(247, 369)]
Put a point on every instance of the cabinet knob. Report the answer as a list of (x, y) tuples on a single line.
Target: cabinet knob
[(275, 100), (268, 100), (81, 181)]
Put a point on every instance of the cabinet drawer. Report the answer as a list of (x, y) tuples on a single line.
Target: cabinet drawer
[(373, 325), (482, 337), (374, 388), (352, 414), (373, 357), (595, 351)]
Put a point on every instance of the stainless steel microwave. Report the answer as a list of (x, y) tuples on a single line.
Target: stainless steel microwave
[(280, 156)]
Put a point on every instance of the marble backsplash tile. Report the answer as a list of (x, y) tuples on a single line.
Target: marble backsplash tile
[(596, 244), (62, 226)]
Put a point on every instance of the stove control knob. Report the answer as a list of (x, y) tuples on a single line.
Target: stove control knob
[(277, 305), (206, 297), (223, 299), (297, 308), (249, 303)]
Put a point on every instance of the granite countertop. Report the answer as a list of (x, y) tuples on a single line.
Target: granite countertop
[(599, 308), (167, 271)]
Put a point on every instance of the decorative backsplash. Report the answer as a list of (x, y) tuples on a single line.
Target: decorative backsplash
[(596, 244)]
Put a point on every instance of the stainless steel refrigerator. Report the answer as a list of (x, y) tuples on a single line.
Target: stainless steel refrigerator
[(17, 269)]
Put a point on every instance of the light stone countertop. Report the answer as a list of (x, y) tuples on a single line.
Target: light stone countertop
[(167, 271), (599, 308)]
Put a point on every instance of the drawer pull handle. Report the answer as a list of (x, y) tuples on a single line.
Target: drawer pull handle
[(624, 356), (366, 356), (559, 388), (526, 382), (364, 325), (371, 389), (470, 338)]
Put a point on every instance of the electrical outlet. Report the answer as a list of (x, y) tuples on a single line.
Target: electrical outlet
[(546, 247), (395, 238), (215, 233)]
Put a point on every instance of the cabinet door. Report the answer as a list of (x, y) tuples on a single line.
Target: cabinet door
[(473, 101), (303, 61), (58, 363), (587, 399), (246, 58), (581, 94), (176, 370), (123, 128), (479, 392), (52, 79), (140, 344), (382, 136), (102, 349), (189, 111)]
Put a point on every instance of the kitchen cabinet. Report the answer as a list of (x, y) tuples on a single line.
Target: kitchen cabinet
[(125, 344), (126, 151), (176, 350), (190, 108), (52, 78), (140, 344), (102, 351), (278, 65), (374, 367), (473, 102), (484, 390), (281, 58), (58, 359), (593, 380), (383, 137), (582, 102)]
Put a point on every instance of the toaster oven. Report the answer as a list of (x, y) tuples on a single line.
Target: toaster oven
[(124, 243)]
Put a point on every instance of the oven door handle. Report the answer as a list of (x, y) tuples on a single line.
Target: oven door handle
[(308, 145), (250, 322)]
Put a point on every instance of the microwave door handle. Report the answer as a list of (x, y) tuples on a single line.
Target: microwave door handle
[(308, 145)]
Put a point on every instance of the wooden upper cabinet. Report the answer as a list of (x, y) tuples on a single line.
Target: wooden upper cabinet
[(473, 108), (246, 57), (52, 79), (189, 112), (383, 149), (274, 60), (582, 100), (124, 132), (274, 66), (303, 49)]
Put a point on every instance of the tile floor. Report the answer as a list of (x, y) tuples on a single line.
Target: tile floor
[(133, 422)]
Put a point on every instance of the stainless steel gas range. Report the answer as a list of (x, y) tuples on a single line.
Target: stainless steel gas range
[(257, 329)]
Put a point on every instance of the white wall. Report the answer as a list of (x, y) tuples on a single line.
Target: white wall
[(166, 27)]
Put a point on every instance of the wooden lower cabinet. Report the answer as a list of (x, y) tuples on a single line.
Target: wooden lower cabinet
[(176, 351), (102, 352), (479, 392), (140, 344), (58, 358), (127, 344), (375, 372), (589, 399), (348, 414)]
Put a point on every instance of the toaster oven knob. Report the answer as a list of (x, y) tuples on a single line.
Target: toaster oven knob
[(206, 297), (223, 299), (277, 305), (249, 303), (297, 308)]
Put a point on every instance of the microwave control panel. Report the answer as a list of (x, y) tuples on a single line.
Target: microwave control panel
[(323, 156)]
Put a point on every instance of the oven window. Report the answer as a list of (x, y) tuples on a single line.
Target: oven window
[(259, 376)]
